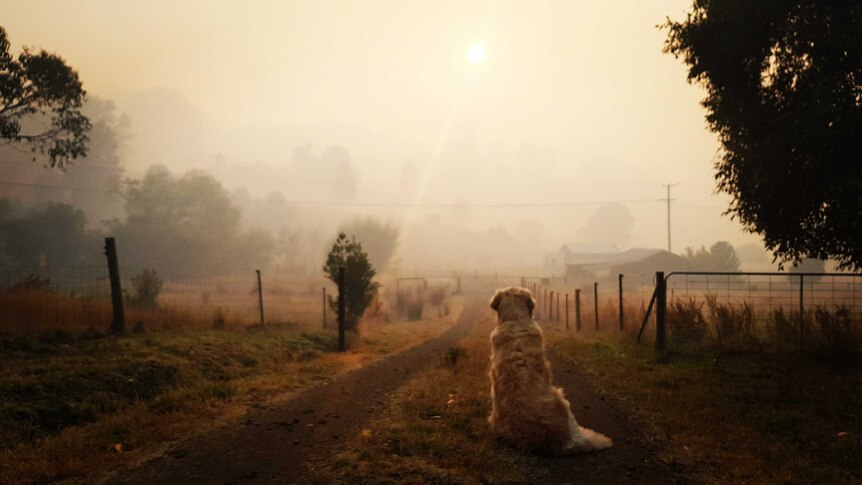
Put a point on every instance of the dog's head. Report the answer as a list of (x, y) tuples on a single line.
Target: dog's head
[(513, 303)]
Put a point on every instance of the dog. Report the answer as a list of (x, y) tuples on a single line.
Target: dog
[(528, 411)]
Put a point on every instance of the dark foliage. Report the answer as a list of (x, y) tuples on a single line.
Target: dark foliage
[(783, 94), (41, 84), (147, 286), (358, 275)]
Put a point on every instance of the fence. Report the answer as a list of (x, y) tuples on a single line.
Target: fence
[(50, 298), (593, 307), (801, 311)]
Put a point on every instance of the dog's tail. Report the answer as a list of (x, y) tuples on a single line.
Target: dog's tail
[(589, 440)]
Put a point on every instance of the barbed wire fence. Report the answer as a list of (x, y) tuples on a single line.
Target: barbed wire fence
[(46, 298)]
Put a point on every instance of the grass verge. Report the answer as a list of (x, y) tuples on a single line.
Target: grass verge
[(75, 408), (741, 417)]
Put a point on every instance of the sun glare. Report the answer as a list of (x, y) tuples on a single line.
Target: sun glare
[(476, 54)]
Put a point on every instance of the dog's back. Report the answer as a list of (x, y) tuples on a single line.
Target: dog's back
[(527, 411)]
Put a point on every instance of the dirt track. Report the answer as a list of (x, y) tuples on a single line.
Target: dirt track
[(274, 445)]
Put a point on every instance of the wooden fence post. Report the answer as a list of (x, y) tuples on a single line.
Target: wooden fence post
[(342, 293), (801, 313), (558, 308), (567, 312), (578, 309), (260, 297), (551, 306), (621, 302), (118, 324), (596, 302), (660, 312)]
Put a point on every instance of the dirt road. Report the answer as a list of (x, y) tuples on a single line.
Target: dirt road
[(275, 445)]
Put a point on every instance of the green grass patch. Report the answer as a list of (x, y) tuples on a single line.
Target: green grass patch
[(47, 385)]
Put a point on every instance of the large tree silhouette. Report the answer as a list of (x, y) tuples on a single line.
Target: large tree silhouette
[(783, 94)]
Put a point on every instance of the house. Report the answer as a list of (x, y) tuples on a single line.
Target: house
[(638, 265), (577, 253)]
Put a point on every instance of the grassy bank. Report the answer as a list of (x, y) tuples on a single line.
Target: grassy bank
[(78, 406), (741, 417)]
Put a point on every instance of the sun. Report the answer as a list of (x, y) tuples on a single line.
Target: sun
[(476, 53)]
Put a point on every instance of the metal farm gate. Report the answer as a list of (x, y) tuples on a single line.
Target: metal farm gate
[(817, 311)]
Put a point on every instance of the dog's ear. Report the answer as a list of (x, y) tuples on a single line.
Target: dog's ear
[(495, 300), (531, 303)]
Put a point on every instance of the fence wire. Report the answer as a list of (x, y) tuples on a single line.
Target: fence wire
[(39, 299), (745, 310)]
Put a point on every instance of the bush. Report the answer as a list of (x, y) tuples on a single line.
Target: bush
[(32, 282), (358, 273), (836, 330), (437, 296), (147, 286), (415, 304)]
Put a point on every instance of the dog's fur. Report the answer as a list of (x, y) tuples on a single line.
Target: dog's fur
[(527, 410)]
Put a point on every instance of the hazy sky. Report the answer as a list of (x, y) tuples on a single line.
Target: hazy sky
[(390, 80)]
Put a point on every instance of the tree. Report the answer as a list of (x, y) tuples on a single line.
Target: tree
[(809, 266), (379, 239), (186, 224), (39, 84), (358, 273), (720, 257), (724, 257), (54, 235), (783, 94), (90, 183), (611, 223)]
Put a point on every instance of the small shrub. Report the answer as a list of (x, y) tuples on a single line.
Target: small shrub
[(415, 304), (32, 282), (218, 320), (453, 355), (147, 286), (437, 296)]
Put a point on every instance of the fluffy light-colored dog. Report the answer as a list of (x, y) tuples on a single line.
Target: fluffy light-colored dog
[(527, 410)]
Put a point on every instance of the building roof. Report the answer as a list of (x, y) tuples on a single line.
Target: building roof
[(589, 248), (611, 259)]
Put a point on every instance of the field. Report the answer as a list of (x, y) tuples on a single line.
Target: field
[(716, 416), (738, 417), (77, 404), (729, 406)]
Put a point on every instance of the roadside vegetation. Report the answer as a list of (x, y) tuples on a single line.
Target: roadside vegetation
[(735, 416), (80, 404)]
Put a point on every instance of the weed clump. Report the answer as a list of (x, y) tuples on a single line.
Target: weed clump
[(686, 322), (731, 322)]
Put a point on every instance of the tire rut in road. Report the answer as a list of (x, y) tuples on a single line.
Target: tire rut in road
[(274, 445)]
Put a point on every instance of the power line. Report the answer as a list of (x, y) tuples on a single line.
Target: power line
[(380, 204), (57, 187)]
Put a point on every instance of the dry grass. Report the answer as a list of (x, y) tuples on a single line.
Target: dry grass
[(736, 417), (66, 401), (434, 431), (197, 304)]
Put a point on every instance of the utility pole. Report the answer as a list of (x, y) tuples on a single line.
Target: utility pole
[(668, 199)]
